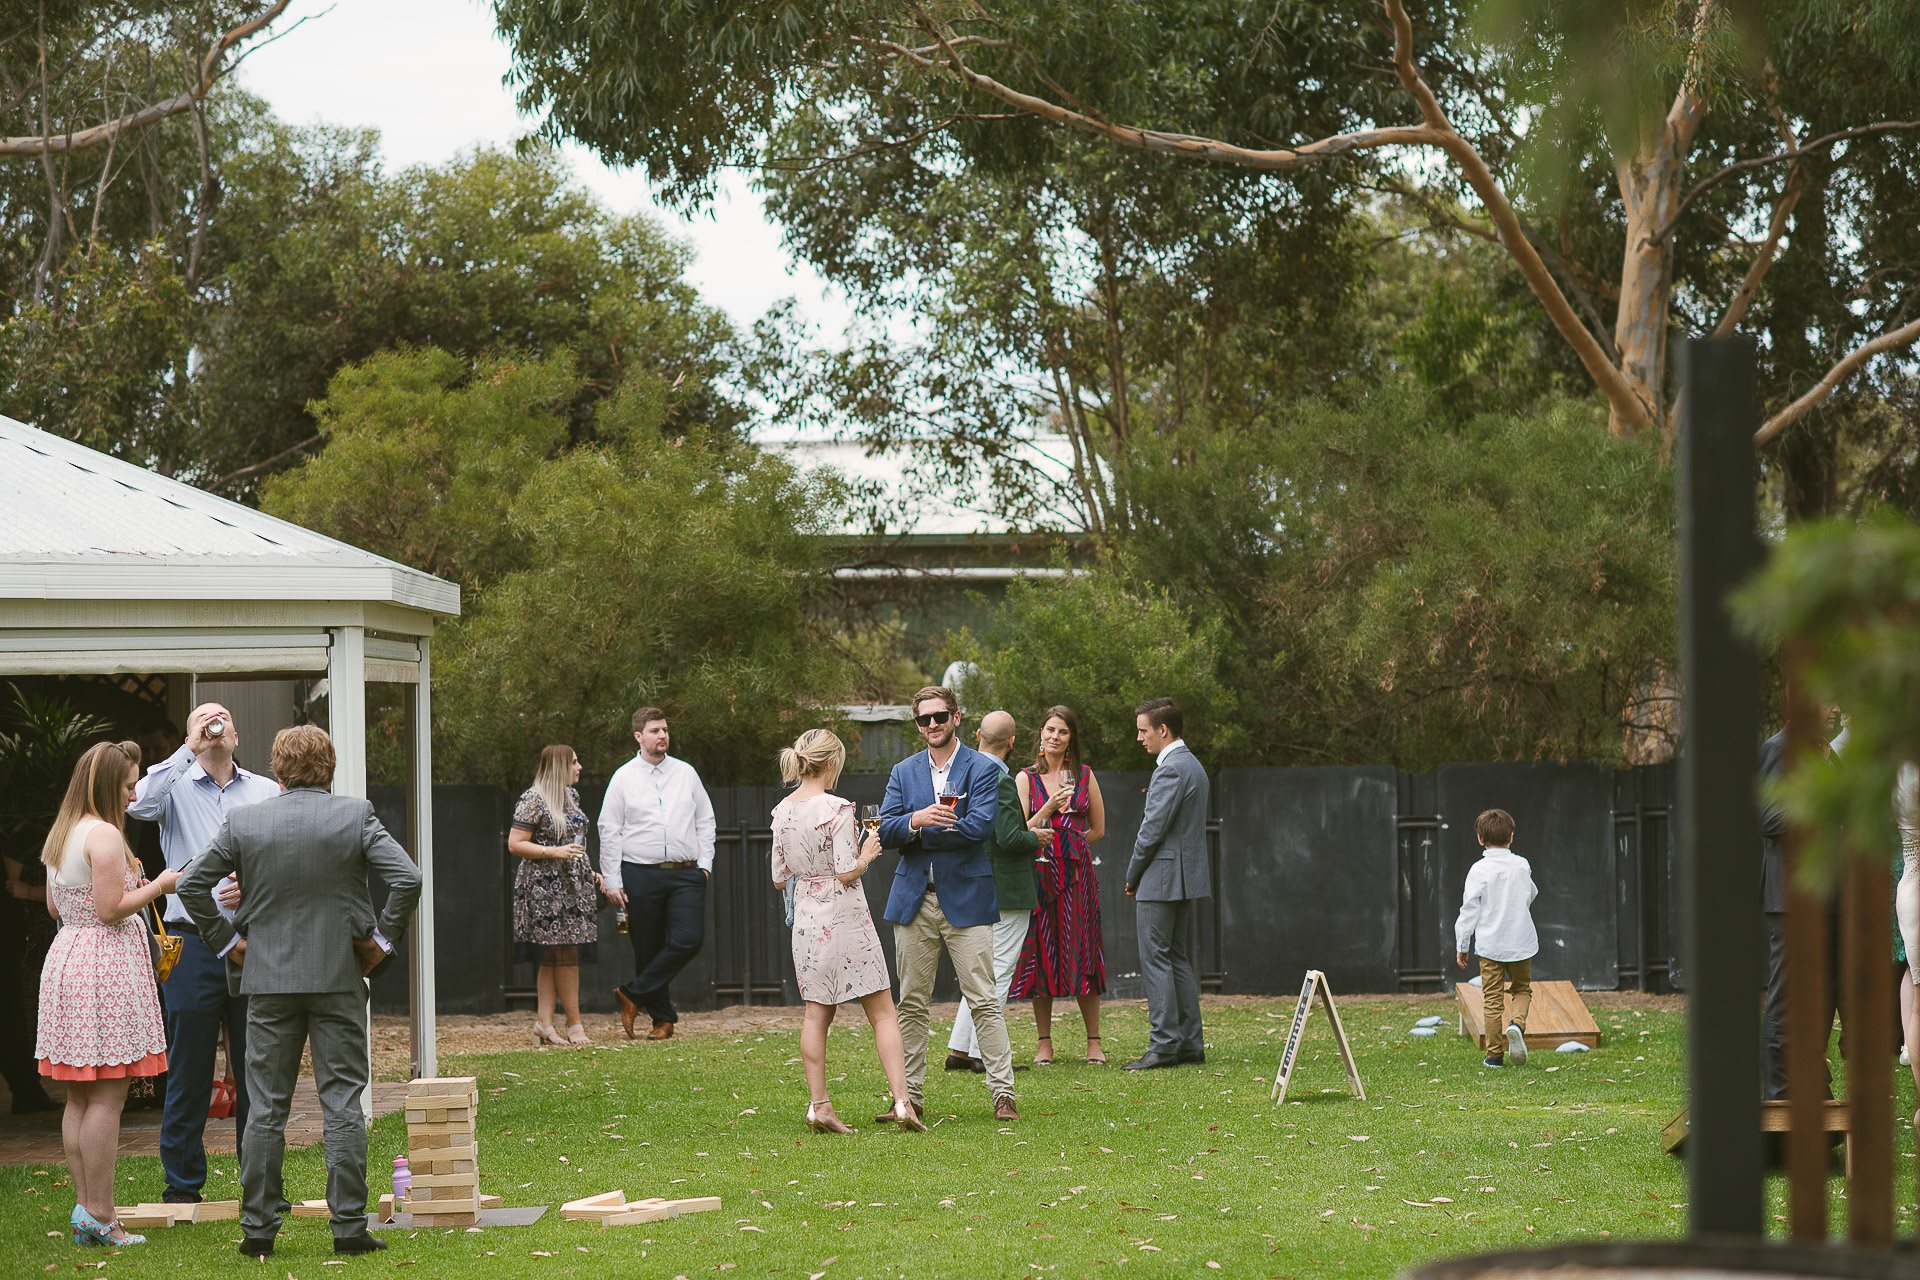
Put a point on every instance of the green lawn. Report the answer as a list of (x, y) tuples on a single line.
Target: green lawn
[(1163, 1173)]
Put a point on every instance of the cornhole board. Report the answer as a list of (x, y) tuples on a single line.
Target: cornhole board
[(1775, 1117), (1557, 1016), (1315, 984)]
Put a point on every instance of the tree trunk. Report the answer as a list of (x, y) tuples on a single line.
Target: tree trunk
[(1649, 189)]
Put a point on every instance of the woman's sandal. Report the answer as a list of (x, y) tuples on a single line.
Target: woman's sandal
[(1047, 1061), (577, 1034), (904, 1117), (1100, 1061), (820, 1119), (544, 1034)]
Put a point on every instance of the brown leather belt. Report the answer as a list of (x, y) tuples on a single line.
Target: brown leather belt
[(672, 865)]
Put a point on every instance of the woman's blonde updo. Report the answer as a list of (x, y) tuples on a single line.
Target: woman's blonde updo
[(817, 753)]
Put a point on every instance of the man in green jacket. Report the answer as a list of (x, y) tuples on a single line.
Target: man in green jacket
[(1016, 840)]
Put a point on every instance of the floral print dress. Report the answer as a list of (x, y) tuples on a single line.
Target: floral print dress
[(99, 1005), (836, 951), (555, 902)]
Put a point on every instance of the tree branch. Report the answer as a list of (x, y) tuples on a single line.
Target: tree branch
[(1796, 183), (1180, 144), (264, 463), (1437, 132), (1890, 341), (1795, 153), (48, 142)]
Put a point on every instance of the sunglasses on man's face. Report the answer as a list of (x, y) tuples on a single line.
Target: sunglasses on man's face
[(933, 717)]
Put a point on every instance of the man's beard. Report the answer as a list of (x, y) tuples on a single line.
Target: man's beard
[(940, 739)]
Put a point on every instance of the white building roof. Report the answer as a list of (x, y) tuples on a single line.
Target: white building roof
[(78, 524)]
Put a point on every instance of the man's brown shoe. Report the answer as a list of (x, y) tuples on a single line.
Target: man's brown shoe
[(628, 1011), (1003, 1108), (661, 1031)]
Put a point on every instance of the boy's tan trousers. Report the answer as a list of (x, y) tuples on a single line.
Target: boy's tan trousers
[(1494, 976)]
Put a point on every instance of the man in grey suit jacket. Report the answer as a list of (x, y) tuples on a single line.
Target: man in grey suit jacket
[(303, 940), (1167, 874)]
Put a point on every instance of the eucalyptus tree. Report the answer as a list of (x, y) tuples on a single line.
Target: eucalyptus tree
[(1676, 162)]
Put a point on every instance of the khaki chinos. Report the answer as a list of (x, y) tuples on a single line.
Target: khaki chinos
[(916, 948)]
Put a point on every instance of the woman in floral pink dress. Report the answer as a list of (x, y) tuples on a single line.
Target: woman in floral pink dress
[(836, 952), (99, 1008)]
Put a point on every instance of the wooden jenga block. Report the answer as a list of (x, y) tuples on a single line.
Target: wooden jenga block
[(312, 1209), (464, 1218), (435, 1181), (216, 1211), (461, 1129), (417, 1141), (141, 1218), (696, 1204), (643, 1213), (593, 1208), (176, 1213), (440, 1115), (440, 1168), (430, 1086), (492, 1202), (386, 1210)]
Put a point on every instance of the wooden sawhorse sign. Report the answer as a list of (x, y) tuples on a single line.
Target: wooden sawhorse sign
[(1316, 984)]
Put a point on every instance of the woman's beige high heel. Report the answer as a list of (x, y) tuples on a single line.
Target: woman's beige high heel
[(577, 1034), (820, 1119), (543, 1033), (904, 1116)]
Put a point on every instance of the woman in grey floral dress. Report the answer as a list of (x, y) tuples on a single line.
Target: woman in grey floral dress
[(556, 892)]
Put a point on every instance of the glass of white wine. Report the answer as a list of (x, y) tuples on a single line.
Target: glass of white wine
[(870, 819)]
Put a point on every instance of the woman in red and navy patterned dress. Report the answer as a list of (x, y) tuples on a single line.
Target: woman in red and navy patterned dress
[(1063, 955)]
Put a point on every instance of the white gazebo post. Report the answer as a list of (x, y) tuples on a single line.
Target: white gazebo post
[(347, 725), (426, 1054)]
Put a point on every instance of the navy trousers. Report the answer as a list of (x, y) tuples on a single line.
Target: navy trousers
[(667, 920), (197, 1005)]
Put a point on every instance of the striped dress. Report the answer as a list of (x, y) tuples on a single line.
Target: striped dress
[(1062, 955)]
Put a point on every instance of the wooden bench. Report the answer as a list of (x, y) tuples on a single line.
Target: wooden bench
[(1775, 1117), (1558, 1015)]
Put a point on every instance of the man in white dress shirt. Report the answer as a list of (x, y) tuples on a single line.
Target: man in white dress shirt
[(656, 856)]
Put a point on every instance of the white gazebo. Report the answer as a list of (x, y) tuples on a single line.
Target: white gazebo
[(107, 569)]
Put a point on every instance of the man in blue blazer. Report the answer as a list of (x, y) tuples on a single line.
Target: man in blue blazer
[(943, 892)]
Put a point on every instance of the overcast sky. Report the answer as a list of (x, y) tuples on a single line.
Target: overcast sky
[(428, 75)]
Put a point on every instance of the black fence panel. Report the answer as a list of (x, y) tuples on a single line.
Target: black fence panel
[(1309, 879), (472, 907), (1564, 817), (1354, 871)]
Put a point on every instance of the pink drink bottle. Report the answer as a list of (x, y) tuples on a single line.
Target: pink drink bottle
[(402, 1179)]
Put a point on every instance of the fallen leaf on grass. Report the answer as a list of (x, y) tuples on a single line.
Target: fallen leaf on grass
[(541, 1253), (1358, 1137), (1418, 1204), (1443, 1199), (761, 1230), (1213, 1264)]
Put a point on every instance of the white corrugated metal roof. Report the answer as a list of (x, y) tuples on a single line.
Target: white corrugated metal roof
[(917, 513), (78, 524)]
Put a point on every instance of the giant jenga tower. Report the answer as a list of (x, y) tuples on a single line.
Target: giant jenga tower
[(443, 1152)]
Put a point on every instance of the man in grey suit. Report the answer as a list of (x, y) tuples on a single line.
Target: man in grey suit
[(302, 942), (1167, 874)]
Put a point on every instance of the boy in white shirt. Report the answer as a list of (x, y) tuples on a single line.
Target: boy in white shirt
[(1495, 911)]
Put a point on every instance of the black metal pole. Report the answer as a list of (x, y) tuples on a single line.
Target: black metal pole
[(1719, 823)]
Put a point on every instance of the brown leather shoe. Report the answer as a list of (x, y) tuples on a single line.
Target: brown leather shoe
[(1003, 1108), (887, 1116), (661, 1031), (628, 1011)]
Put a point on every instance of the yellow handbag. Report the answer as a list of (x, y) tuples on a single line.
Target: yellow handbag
[(166, 947)]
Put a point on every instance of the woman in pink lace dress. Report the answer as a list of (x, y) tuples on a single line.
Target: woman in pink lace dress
[(99, 1008), (836, 952)]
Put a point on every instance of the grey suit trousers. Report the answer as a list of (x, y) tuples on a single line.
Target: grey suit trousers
[(1168, 943), (278, 1028)]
